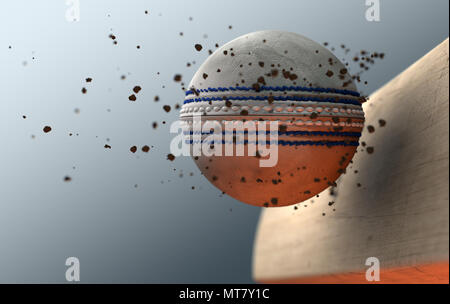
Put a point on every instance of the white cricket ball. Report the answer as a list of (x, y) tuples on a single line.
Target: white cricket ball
[(277, 76)]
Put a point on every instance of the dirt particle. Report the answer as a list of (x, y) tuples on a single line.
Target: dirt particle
[(145, 149), (313, 115), (133, 149), (136, 89), (170, 157), (274, 73), (198, 47), (371, 129), (177, 77), (256, 87), (382, 122), (282, 128), (132, 97), (47, 129), (166, 108)]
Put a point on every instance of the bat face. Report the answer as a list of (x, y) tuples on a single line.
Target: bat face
[(392, 206)]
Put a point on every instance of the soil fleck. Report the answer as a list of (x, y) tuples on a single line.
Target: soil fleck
[(170, 157)]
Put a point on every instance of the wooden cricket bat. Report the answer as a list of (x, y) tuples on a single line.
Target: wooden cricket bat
[(392, 204)]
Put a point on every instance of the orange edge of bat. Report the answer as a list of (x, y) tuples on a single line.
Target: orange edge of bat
[(435, 273)]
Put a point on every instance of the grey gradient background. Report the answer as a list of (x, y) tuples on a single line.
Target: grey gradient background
[(162, 231)]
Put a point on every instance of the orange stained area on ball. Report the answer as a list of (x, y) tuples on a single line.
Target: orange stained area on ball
[(300, 173)]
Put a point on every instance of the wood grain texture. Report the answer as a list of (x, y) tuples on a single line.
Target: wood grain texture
[(400, 211)]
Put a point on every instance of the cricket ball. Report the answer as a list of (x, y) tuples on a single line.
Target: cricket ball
[(288, 80)]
